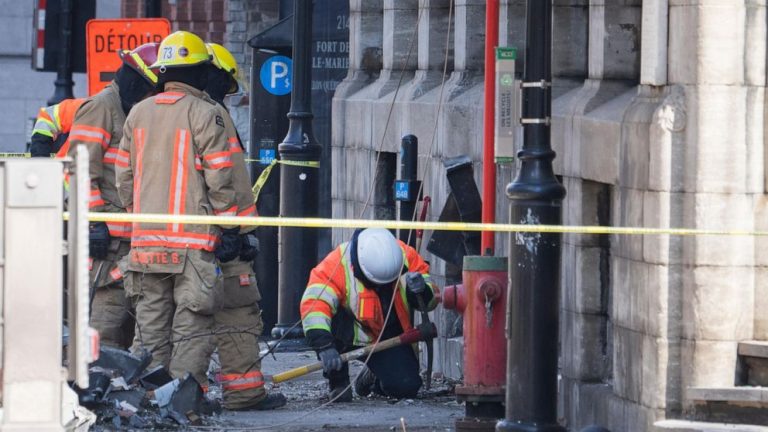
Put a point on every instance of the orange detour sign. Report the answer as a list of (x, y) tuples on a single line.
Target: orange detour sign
[(104, 37)]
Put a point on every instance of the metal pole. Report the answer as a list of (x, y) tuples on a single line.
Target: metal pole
[(409, 165), (487, 240), (153, 9), (64, 81), (534, 262), (298, 180)]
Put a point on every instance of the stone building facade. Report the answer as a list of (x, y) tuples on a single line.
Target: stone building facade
[(658, 122), (20, 107)]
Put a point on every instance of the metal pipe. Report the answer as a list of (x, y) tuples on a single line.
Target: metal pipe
[(153, 9), (409, 163), (534, 263), (298, 180), (64, 81), (487, 240)]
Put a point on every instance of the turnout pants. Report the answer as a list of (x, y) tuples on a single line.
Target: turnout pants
[(238, 327), (111, 313), (174, 314)]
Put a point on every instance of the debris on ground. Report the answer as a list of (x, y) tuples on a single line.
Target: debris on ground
[(124, 395)]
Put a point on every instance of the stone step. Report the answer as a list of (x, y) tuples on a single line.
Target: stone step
[(754, 349), (750, 395), (700, 426), (730, 404), (753, 363)]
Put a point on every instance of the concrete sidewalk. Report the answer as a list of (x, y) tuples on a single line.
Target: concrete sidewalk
[(435, 410)]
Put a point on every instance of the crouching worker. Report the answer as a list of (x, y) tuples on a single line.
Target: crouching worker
[(346, 302)]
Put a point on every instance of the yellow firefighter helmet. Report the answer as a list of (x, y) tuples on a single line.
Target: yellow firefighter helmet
[(224, 60), (179, 49)]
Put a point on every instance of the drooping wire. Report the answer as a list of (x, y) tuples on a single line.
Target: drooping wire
[(367, 203)]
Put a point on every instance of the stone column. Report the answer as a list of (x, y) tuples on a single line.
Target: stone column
[(721, 69), (349, 109), (418, 96), (400, 60)]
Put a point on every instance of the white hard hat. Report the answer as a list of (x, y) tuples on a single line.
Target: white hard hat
[(379, 255)]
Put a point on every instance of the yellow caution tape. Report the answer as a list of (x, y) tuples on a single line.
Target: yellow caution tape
[(393, 224), (21, 155), (262, 180)]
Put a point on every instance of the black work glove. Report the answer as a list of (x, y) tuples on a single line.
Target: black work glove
[(414, 283), (249, 247), (98, 240), (229, 245), (41, 145), (331, 360)]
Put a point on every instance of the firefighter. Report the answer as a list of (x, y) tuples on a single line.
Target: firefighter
[(52, 127), (344, 305), (238, 324), (98, 125), (175, 158)]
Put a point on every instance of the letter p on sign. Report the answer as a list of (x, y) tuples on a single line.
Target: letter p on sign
[(275, 75)]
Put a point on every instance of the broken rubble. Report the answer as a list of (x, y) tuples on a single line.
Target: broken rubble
[(122, 393)]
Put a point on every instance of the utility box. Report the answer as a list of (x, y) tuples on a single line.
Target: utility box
[(270, 101), (35, 395)]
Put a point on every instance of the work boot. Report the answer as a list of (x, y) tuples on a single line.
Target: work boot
[(340, 391), (364, 382), (270, 402)]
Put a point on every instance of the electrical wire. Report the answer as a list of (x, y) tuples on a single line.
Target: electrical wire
[(362, 213)]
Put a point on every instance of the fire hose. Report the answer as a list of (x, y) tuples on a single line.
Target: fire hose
[(423, 332)]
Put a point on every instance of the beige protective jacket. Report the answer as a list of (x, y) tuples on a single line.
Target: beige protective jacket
[(243, 193), (175, 158), (98, 125)]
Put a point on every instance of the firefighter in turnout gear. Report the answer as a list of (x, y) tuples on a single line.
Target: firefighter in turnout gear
[(98, 125), (238, 324), (175, 157), (52, 127), (346, 301)]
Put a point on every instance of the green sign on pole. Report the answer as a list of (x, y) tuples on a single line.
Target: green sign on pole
[(506, 105)]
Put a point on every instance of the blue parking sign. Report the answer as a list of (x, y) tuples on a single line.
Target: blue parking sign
[(266, 156), (402, 190), (276, 75)]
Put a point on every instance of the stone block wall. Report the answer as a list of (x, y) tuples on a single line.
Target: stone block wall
[(658, 121)]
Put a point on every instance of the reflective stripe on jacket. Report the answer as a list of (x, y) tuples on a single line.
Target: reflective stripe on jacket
[(57, 119), (163, 138), (98, 125), (332, 285)]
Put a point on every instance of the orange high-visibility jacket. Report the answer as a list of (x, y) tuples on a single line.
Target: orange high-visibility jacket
[(57, 119), (332, 285), (175, 158), (98, 125), (243, 193)]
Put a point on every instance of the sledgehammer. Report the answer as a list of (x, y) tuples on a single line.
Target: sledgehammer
[(423, 332)]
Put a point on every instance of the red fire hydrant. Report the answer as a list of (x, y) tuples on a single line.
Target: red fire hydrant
[(482, 300)]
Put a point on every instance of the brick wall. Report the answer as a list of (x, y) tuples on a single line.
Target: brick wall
[(228, 22), (206, 18)]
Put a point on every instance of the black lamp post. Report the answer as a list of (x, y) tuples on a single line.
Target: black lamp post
[(534, 261), (300, 154), (153, 8), (64, 81)]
